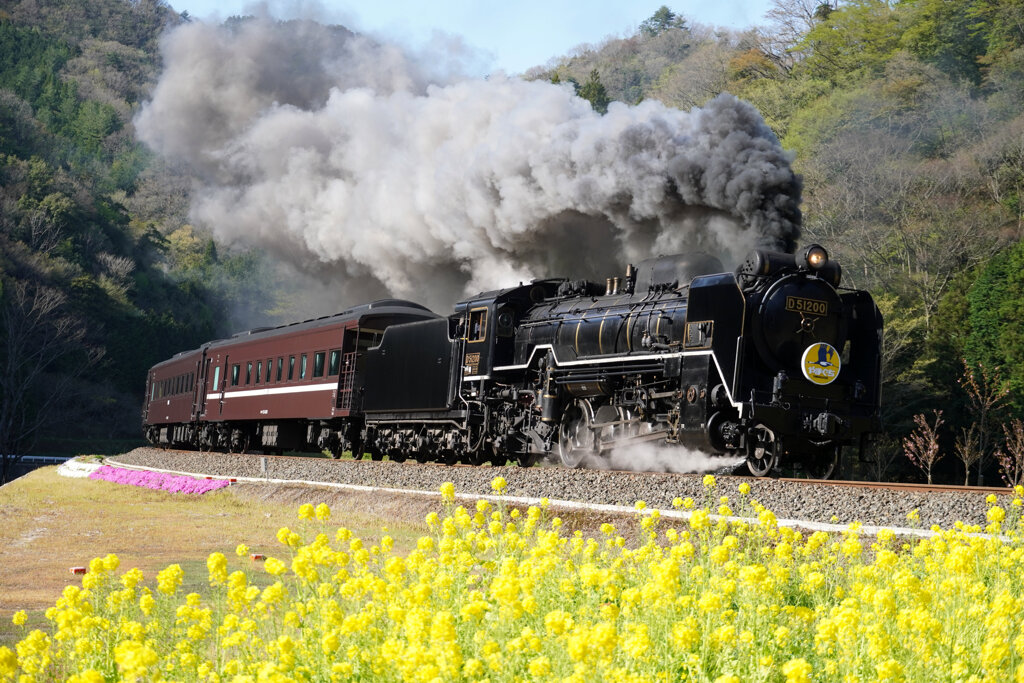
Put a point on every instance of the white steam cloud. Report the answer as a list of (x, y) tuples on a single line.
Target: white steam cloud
[(658, 457), (380, 174)]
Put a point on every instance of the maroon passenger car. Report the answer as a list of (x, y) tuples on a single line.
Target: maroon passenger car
[(282, 388)]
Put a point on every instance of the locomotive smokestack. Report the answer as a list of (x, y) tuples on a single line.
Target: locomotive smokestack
[(615, 286), (608, 287)]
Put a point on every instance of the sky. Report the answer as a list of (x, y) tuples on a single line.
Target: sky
[(512, 35)]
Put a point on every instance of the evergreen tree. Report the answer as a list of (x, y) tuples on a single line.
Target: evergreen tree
[(594, 92), (996, 320), (662, 20)]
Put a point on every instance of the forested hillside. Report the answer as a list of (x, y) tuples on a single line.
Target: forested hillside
[(904, 118), (100, 273), (906, 121)]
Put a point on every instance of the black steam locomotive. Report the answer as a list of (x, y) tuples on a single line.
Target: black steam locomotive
[(774, 363)]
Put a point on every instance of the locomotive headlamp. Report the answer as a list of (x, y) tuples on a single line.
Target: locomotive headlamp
[(815, 256)]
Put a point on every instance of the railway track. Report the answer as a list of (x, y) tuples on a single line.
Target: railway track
[(845, 483), (835, 502)]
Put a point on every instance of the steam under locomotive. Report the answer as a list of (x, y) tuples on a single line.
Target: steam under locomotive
[(774, 363)]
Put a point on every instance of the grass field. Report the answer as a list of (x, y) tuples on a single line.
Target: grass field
[(50, 523)]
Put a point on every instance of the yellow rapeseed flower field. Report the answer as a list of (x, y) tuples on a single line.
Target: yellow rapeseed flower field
[(499, 594)]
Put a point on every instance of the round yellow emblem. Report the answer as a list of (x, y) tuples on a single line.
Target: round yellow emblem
[(820, 363)]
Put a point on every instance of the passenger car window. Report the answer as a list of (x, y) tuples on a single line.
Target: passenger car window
[(318, 364), (280, 367), (259, 371), (291, 367), (334, 367), (302, 369), (235, 370)]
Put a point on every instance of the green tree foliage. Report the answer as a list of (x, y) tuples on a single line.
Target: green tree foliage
[(662, 20), (84, 211), (594, 92), (996, 320), (855, 40), (947, 35)]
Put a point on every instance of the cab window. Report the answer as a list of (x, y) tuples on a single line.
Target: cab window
[(477, 325)]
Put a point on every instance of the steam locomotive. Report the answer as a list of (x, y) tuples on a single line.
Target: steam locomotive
[(774, 363)]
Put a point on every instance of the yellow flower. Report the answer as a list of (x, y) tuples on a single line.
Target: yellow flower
[(709, 481), (639, 505), (275, 566), (323, 512), (217, 565), (169, 579), (242, 550), (19, 618), (499, 484), (448, 492), (305, 512), (132, 578), (797, 671), (134, 659), (540, 666), (8, 663), (744, 489)]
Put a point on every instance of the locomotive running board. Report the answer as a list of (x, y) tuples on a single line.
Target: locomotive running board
[(625, 359)]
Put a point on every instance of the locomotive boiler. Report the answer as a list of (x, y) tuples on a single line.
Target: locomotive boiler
[(775, 363)]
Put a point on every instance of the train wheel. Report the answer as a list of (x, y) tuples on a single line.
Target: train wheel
[(575, 436), (375, 454), (764, 452), (527, 459), (397, 455), (824, 464)]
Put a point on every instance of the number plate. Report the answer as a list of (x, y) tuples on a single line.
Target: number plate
[(809, 306)]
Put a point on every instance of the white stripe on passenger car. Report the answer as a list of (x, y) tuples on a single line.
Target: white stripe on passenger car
[(273, 391)]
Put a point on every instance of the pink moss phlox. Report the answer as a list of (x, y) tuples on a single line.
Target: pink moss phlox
[(157, 480)]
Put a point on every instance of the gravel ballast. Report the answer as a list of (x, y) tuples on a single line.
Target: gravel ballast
[(788, 500)]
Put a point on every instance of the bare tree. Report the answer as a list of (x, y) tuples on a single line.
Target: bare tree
[(922, 446), (968, 449), (788, 23), (37, 336), (884, 451), (1012, 460), (702, 75), (985, 390)]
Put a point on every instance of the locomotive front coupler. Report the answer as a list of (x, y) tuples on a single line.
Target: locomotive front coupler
[(824, 424)]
